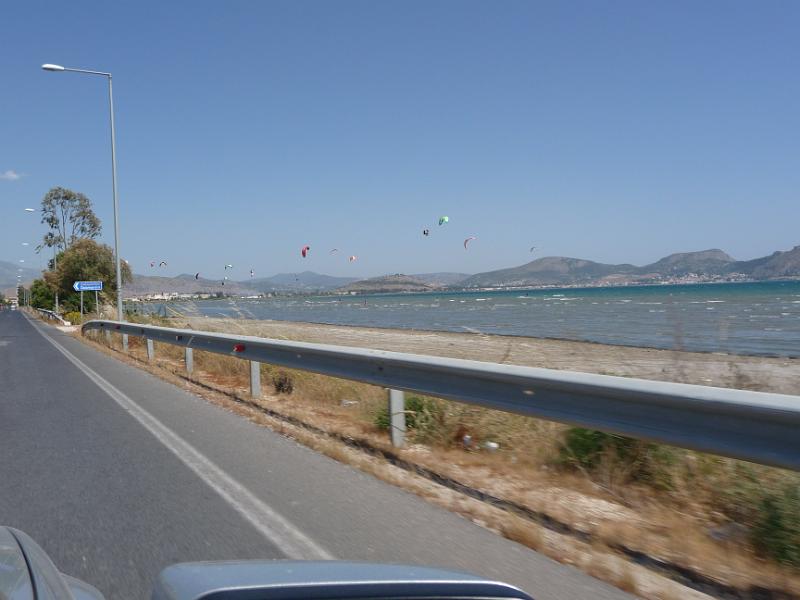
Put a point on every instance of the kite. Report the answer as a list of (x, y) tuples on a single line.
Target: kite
[(304, 251), (252, 273), (426, 232), (533, 248), (353, 258), (468, 240), (334, 250), (163, 263), (152, 264), (30, 210), (443, 220), (197, 275), (228, 267)]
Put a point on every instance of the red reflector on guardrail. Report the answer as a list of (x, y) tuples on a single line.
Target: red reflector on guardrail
[(238, 348)]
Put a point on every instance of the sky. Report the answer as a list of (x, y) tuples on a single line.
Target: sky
[(613, 131)]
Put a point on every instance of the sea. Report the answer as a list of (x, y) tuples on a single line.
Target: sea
[(761, 319)]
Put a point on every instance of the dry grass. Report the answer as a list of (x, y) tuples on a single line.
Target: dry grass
[(523, 531), (671, 524)]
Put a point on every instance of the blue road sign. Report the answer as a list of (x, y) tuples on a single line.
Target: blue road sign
[(88, 286)]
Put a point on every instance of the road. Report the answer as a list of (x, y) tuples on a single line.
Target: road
[(118, 474)]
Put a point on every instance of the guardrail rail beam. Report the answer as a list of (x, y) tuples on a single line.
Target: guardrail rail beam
[(756, 426)]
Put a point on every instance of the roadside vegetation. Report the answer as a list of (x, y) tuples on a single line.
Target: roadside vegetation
[(733, 522), (72, 228)]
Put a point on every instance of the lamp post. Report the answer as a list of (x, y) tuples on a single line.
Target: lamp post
[(55, 264), (55, 270), (59, 68)]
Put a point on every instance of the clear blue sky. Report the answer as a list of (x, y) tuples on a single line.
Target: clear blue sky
[(614, 131)]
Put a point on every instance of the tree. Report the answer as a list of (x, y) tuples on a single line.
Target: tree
[(86, 260), (42, 295), (69, 216)]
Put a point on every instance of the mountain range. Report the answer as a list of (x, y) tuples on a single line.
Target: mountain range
[(705, 265), (8, 276), (307, 281)]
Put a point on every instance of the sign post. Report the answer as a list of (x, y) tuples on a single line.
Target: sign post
[(87, 286)]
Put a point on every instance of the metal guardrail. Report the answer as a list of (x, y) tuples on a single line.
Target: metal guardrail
[(754, 426), (53, 316)]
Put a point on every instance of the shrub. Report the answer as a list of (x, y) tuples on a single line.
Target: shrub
[(777, 530), (282, 382), (636, 460), (382, 420), (423, 415), (584, 447), (736, 489), (73, 317)]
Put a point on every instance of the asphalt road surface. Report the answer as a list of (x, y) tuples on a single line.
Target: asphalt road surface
[(118, 474)]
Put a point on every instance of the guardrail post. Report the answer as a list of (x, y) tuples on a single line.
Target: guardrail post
[(255, 379), (124, 342), (188, 358), (108, 337), (397, 417), (151, 352)]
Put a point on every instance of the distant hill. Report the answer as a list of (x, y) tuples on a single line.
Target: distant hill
[(182, 284), (307, 280), (387, 284), (9, 272), (705, 265), (776, 265), (187, 284), (547, 271), (441, 279), (706, 261)]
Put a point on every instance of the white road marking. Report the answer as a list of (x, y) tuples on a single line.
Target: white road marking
[(278, 530)]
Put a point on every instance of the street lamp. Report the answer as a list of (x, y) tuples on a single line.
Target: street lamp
[(57, 68)]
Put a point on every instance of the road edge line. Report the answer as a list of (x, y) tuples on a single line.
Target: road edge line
[(273, 526)]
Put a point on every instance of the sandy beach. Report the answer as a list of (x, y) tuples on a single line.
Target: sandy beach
[(780, 375)]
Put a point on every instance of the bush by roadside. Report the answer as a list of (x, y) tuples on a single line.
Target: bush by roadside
[(73, 317)]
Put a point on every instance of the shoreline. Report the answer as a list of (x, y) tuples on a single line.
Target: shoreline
[(321, 293), (517, 336), (752, 372), (732, 330)]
